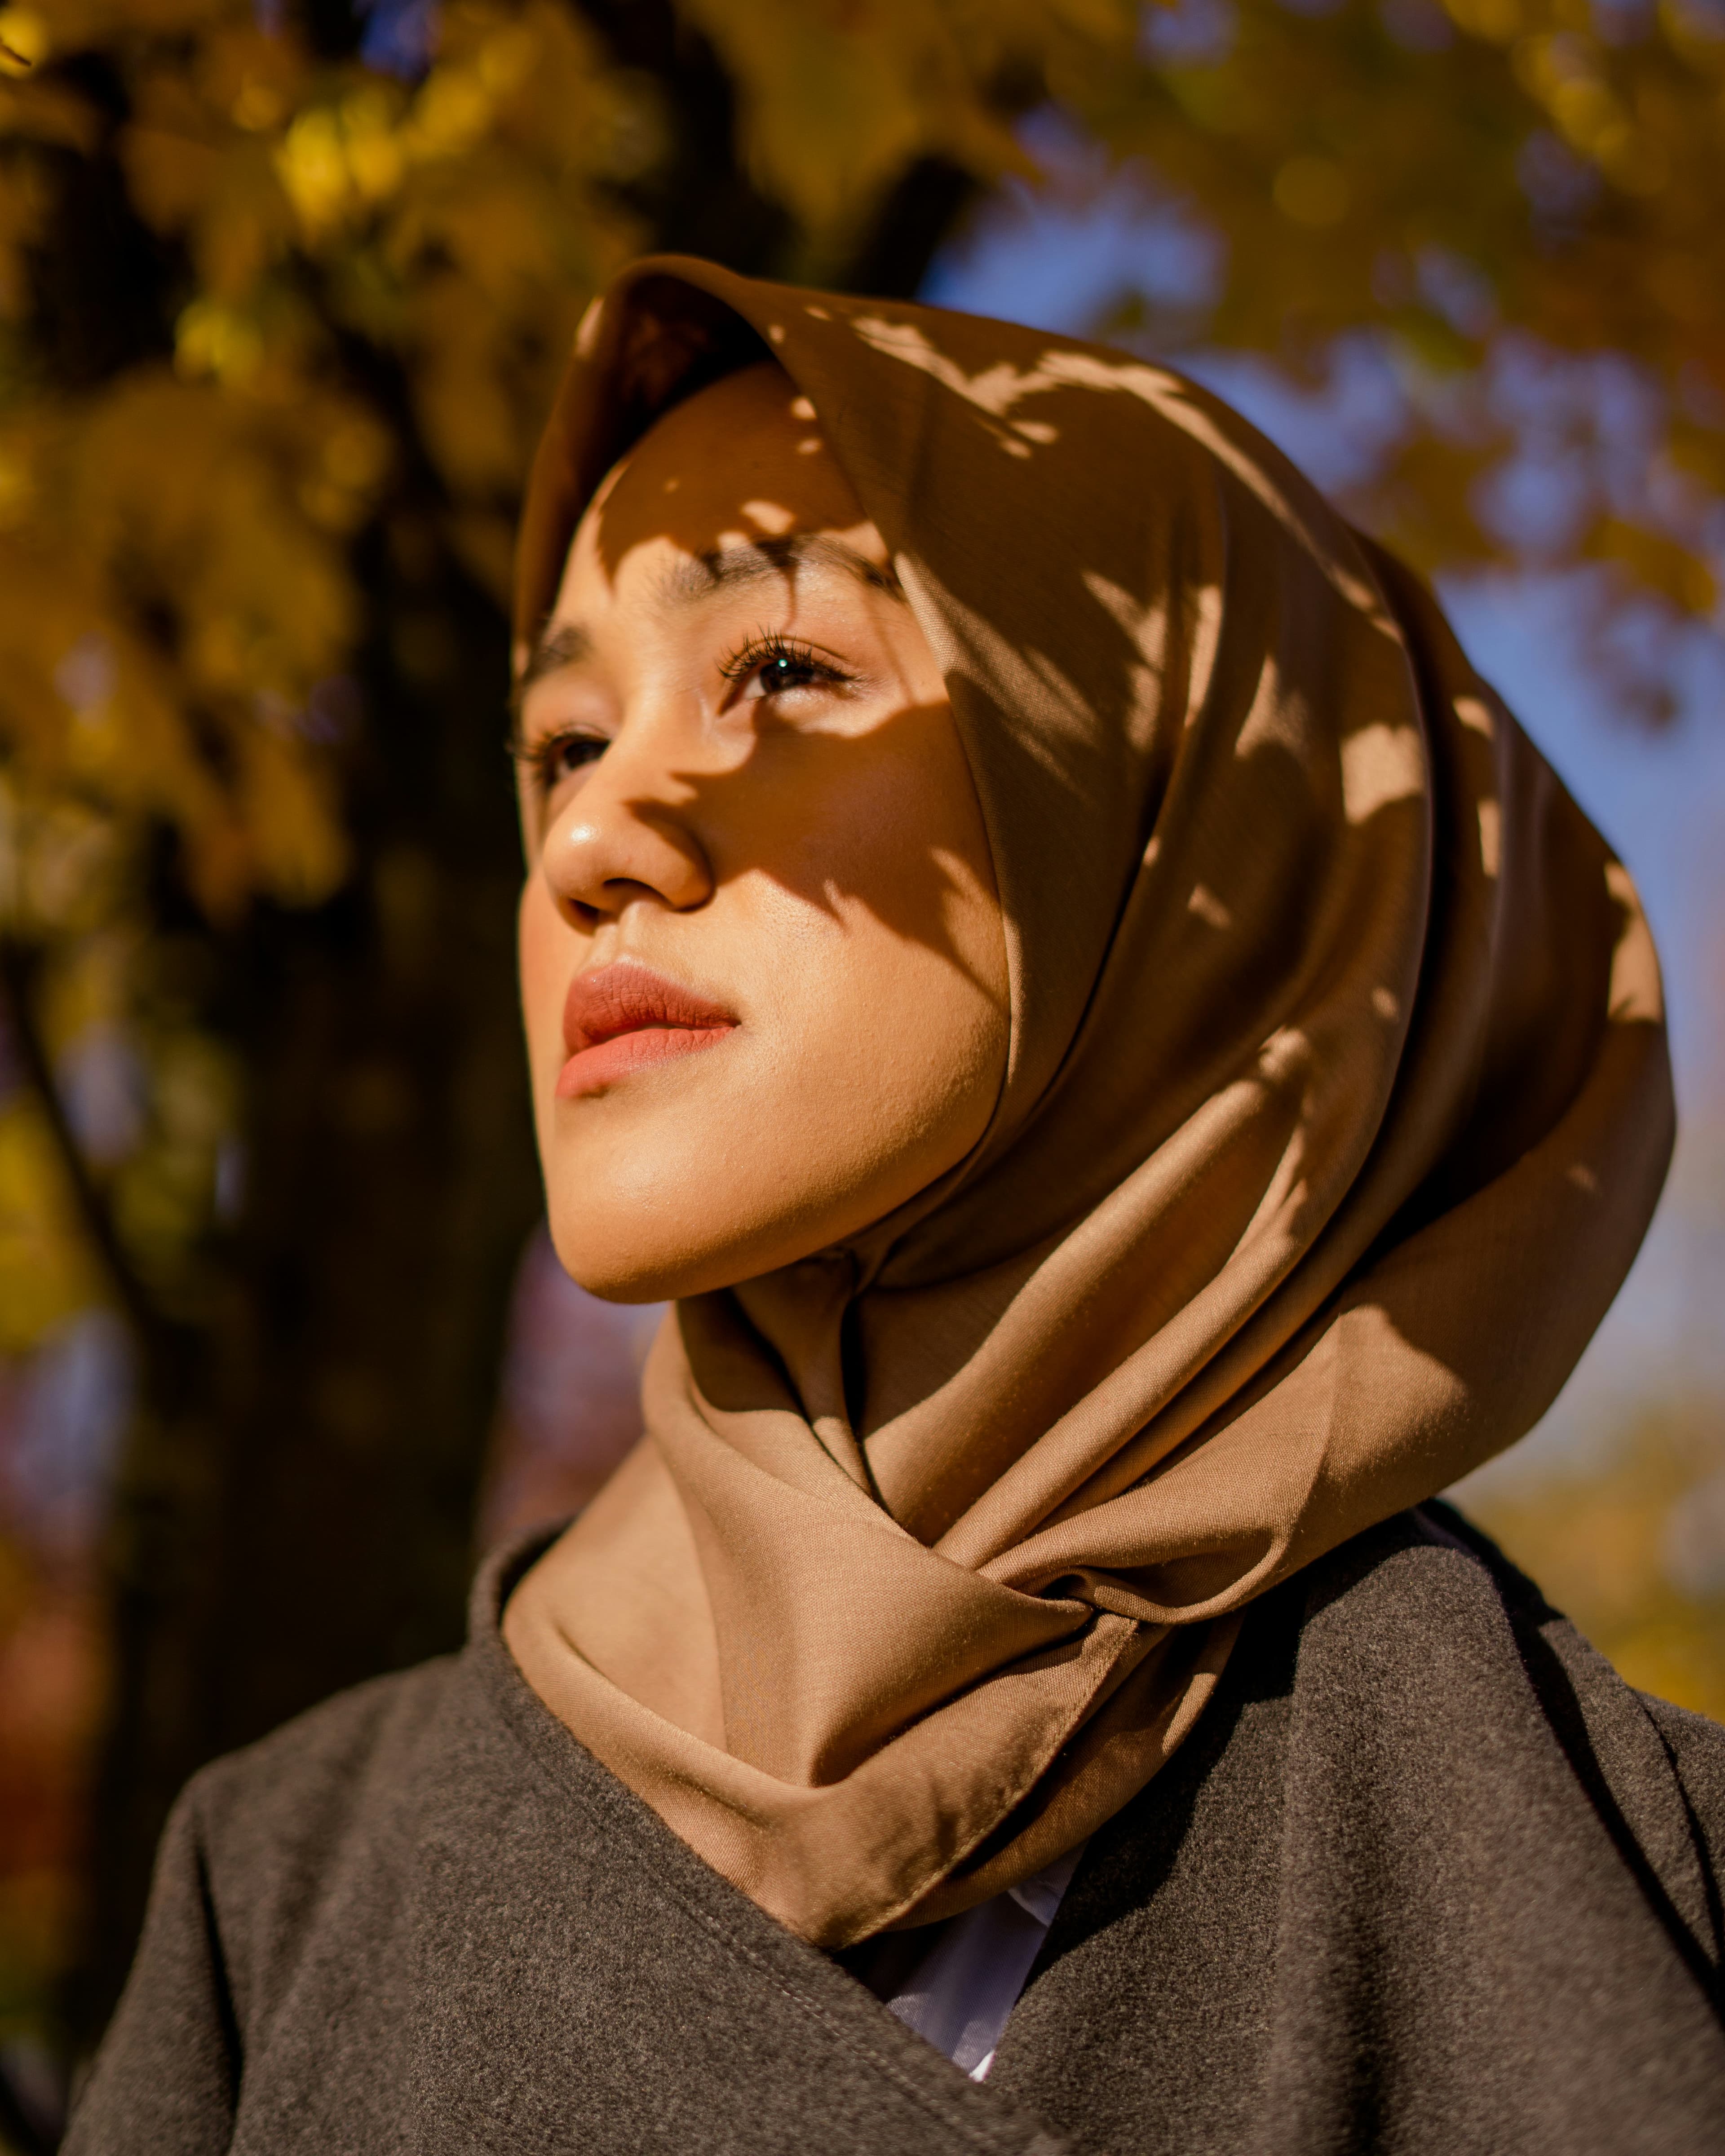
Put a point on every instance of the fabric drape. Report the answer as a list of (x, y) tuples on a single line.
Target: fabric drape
[(1336, 1105)]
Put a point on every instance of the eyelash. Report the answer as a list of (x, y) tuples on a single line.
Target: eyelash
[(768, 649)]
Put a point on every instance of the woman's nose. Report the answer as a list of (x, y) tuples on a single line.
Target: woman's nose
[(625, 836)]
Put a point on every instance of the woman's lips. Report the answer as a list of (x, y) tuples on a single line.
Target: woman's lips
[(621, 1018)]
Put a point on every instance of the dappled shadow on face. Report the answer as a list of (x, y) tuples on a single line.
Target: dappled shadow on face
[(872, 819), (1151, 665), (736, 493), (743, 459)]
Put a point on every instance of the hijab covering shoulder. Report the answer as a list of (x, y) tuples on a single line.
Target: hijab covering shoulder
[(1336, 1105)]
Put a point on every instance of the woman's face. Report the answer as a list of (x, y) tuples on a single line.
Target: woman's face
[(762, 957)]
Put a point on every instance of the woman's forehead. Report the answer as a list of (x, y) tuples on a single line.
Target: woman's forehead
[(740, 459), (735, 487)]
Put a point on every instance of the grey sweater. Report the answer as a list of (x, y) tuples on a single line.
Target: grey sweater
[(1428, 1877)]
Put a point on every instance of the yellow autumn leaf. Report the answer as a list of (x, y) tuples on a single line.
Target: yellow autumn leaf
[(300, 851), (46, 1275)]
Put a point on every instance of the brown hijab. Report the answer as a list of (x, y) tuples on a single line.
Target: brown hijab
[(1336, 1105)]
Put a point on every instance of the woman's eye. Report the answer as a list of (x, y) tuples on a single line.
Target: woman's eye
[(771, 666), (562, 756), (783, 672)]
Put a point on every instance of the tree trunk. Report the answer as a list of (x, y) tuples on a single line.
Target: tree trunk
[(295, 1511)]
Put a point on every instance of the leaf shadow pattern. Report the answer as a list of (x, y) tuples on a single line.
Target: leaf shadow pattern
[(1228, 816)]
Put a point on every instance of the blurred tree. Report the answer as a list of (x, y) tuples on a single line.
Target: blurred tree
[(1634, 1551), (1516, 205), (285, 289)]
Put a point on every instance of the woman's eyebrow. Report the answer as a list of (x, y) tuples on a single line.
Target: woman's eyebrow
[(698, 577), (721, 568), (565, 645)]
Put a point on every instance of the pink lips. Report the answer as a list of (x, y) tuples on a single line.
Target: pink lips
[(621, 1018)]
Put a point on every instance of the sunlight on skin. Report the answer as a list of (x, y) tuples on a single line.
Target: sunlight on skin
[(739, 769)]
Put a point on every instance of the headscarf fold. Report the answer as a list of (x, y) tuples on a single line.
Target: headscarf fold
[(1336, 1105)]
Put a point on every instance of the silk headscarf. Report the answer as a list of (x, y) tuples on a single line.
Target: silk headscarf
[(1336, 1105)]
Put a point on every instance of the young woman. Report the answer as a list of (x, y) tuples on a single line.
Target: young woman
[(1135, 1075)]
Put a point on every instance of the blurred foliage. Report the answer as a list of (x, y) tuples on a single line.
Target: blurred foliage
[(1522, 203), (1633, 1551), (284, 290), (50, 1703), (332, 275)]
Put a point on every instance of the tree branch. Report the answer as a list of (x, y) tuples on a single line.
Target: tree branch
[(18, 969), (920, 212)]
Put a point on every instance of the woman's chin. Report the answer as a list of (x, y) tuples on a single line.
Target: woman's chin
[(605, 1242), (624, 1267), (619, 1272)]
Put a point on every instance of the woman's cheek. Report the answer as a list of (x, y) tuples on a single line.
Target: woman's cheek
[(544, 970)]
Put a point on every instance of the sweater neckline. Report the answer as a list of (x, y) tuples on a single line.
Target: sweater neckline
[(805, 1983)]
